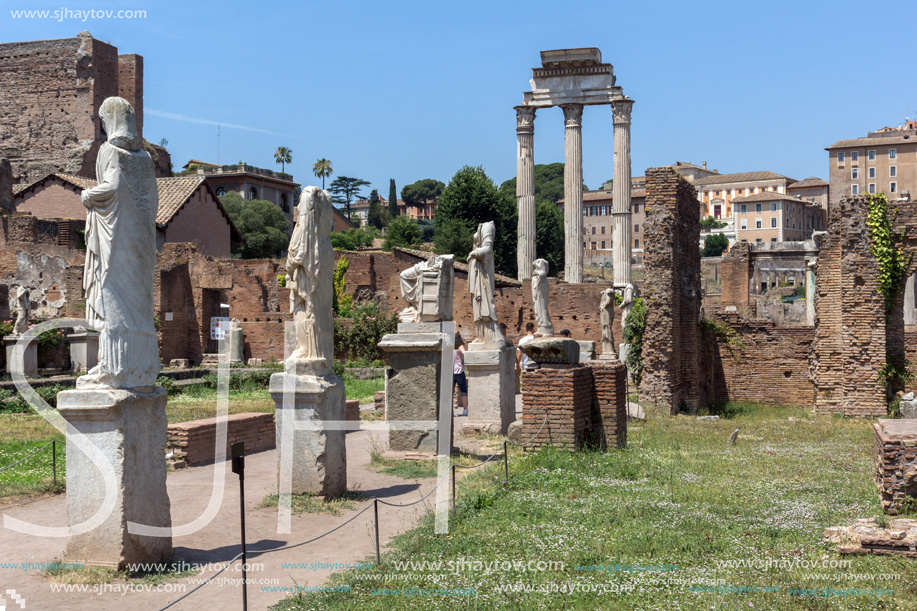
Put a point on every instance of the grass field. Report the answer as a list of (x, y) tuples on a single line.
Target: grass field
[(678, 520)]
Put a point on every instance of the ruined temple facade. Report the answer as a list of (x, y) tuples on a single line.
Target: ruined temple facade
[(50, 94)]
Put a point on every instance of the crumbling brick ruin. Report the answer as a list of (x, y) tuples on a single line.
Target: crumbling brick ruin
[(50, 94), (675, 361)]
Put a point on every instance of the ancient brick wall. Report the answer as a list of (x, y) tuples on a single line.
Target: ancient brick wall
[(673, 343), (200, 222), (130, 84), (895, 450), (195, 441), (734, 274), (609, 416), (564, 397)]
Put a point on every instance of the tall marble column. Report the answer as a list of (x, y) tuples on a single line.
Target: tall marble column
[(910, 313), (525, 189), (623, 230), (810, 291), (573, 192)]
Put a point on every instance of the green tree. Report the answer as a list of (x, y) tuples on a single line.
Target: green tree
[(711, 223), (353, 239), (344, 190), (455, 236), (402, 231), (392, 199), (549, 183), (549, 238), (427, 229), (715, 245), (474, 198), (422, 191), (373, 196), (283, 156), (378, 214), (262, 224), (322, 169)]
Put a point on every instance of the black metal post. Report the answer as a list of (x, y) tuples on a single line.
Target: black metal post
[(453, 487), (238, 466), (376, 511), (54, 461), (505, 461)]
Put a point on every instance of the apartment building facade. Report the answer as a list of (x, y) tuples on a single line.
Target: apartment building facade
[(774, 217), (885, 161)]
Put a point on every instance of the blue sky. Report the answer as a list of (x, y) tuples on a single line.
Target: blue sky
[(410, 90)]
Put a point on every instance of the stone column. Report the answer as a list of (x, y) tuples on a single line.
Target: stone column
[(623, 230), (525, 189), (573, 192), (810, 291), (910, 313)]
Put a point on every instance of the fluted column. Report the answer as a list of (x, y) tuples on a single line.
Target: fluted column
[(525, 190), (573, 192), (623, 229)]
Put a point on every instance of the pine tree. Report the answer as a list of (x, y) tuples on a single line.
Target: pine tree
[(392, 199)]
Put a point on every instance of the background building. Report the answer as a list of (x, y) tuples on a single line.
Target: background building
[(774, 217), (885, 161)]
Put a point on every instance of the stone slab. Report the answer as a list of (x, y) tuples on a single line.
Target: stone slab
[(29, 357), (553, 351), (319, 458), (84, 350), (129, 428), (405, 328), (491, 389)]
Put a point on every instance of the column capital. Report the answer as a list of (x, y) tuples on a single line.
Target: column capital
[(621, 111), (573, 115), (525, 118)]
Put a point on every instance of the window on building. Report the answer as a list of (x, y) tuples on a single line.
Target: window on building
[(253, 193), (603, 244), (758, 240), (773, 206), (717, 211), (593, 246), (872, 187), (893, 171), (794, 223), (717, 192), (872, 172), (840, 157), (892, 153), (744, 224), (221, 191), (893, 187), (854, 189), (592, 211), (636, 243), (854, 156), (636, 228), (871, 155), (854, 173), (601, 210), (773, 221), (757, 223), (787, 223), (585, 211), (593, 231), (743, 208), (757, 207), (603, 229), (743, 240), (283, 202)]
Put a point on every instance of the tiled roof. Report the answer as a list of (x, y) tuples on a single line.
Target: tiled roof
[(76, 181), (720, 179), (811, 181), (768, 196), (175, 191), (906, 138), (462, 267), (19, 187), (606, 195)]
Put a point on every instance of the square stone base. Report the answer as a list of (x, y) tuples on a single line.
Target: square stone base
[(896, 462), (491, 390), (84, 350), (318, 457), (29, 357), (129, 429)]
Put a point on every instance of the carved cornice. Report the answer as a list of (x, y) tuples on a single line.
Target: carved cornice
[(621, 111), (525, 119), (573, 114)]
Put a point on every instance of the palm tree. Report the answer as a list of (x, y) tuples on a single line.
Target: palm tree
[(321, 169), (283, 156)]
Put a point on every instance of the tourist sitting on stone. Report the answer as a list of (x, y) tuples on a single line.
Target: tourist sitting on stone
[(458, 373)]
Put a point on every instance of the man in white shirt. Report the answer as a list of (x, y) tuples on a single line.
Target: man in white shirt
[(521, 358)]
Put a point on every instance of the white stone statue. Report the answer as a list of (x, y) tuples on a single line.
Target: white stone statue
[(627, 300), (481, 286), (428, 289), (310, 269), (607, 311), (23, 311), (121, 256), (540, 299)]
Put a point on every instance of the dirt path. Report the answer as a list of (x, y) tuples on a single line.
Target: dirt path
[(189, 491)]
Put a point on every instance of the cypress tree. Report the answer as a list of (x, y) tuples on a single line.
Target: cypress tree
[(392, 198)]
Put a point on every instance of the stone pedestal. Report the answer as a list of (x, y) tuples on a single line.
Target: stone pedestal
[(84, 350), (312, 455), (129, 429), (491, 390), (29, 357), (418, 384), (609, 418), (237, 345)]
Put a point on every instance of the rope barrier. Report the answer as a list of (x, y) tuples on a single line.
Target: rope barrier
[(27, 457)]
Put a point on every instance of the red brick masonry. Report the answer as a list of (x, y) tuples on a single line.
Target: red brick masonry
[(896, 462), (195, 441)]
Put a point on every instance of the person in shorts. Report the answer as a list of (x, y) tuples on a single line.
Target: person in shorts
[(458, 373)]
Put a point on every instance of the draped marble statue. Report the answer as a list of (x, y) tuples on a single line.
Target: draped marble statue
[(607, 312), (427, 288), (310, 273), (121, 255), (627, 300), (540, 299), (23, 311), (481, 286)]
